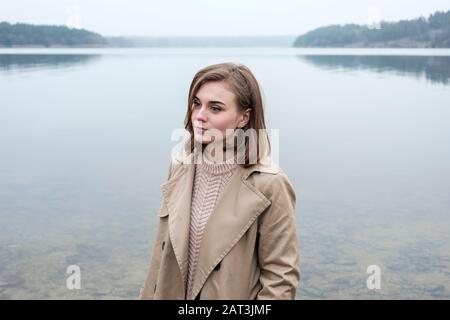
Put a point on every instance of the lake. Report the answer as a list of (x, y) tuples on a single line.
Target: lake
[(85, 142)]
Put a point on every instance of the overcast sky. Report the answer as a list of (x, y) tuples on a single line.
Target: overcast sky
[(211, 17)]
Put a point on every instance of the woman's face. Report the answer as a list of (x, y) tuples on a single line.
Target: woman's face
[(214, 107)]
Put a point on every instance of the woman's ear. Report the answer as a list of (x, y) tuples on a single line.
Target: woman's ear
[(245, 118)]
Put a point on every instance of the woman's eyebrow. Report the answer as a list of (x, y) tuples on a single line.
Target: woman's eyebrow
[(212, 101)]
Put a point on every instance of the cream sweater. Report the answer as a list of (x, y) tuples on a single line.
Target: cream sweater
[(209, 181)]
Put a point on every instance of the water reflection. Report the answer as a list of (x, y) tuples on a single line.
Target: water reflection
[(83, 155), (27, 62), (434, 68)]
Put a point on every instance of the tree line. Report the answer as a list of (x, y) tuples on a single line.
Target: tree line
[(22, 34), (432, 32)]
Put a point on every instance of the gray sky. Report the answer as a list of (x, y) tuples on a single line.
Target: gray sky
[(211, 17)]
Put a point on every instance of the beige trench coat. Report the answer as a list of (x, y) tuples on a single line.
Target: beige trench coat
[(249, 248)]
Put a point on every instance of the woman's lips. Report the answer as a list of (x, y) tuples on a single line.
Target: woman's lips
[(201, 129)]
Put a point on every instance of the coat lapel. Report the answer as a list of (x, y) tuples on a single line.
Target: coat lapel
[(177, 193)]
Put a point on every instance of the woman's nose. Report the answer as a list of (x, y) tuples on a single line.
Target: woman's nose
[(201, 115)]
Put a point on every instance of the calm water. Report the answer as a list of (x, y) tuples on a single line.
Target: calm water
[(85, 144)]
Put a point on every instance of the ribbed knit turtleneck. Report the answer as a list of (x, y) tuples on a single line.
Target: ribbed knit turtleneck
[(211, 177), (214, 168)]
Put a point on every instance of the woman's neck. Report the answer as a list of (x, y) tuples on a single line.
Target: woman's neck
[(214, 153)]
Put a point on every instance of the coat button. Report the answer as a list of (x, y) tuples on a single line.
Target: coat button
[(217, 267), (162, 246)]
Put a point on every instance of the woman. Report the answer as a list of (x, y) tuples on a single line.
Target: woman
[(227, 223)]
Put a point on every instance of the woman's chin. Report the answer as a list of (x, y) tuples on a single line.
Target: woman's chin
[(202, 139)]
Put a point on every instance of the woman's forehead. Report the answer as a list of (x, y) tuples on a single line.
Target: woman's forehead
[(215, 91)]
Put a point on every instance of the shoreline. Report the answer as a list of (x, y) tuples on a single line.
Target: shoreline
[(260, 51)]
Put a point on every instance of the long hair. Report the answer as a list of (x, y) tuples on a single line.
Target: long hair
[(247, 93)]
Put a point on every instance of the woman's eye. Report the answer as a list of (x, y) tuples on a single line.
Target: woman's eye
[(215, 109)]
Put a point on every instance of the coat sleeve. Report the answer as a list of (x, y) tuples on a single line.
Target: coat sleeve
[(278, 247)]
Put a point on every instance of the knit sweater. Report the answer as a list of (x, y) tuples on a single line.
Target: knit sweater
[(210, 180)]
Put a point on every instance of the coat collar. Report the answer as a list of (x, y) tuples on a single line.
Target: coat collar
[(236, 209)]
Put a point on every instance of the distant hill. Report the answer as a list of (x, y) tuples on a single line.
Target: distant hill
[(431, 32), (203, 41), (29, 35)]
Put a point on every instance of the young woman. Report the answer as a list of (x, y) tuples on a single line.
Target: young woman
[(227, 225)]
